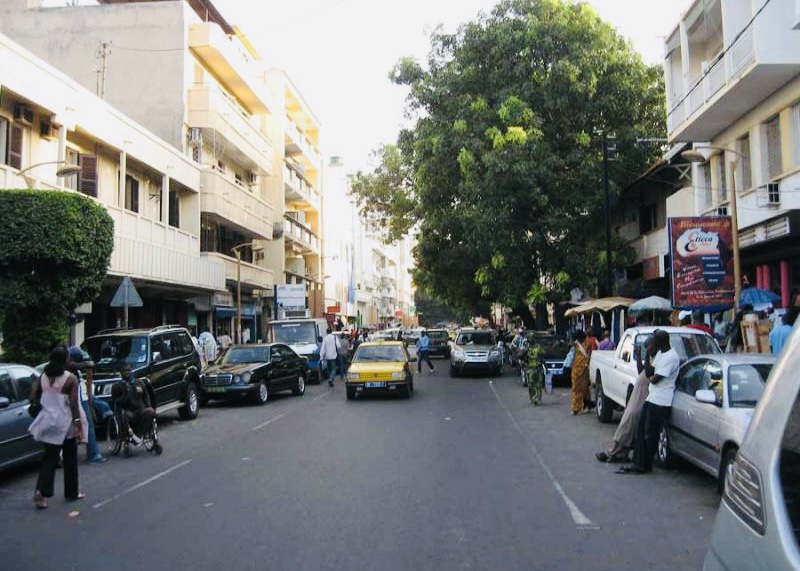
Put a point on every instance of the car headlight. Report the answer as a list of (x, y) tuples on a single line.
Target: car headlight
[(398, 375), (246, 377), (353, 376), (459, 355), (494, 354)]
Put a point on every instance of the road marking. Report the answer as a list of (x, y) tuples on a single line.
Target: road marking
[(141, 484), (270, 421), (580, 519)]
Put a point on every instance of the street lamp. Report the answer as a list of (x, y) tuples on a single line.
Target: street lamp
[(695, 156), (237, 250), (65, 170)]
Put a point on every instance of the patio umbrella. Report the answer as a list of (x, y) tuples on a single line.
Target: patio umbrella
[(757, 297), (651, 304)]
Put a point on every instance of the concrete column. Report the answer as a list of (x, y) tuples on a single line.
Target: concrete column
[(62, 143), (123, 171), (765, 277), (165, 199), (758, 277), (785, 301)]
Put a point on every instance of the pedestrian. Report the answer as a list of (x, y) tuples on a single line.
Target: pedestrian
[(60, 426), (224, 341), (580, 374), (424, 351), (246, 335), (328, 353), (75, 363), (624, 436), (606, 344), (781, 332), (208, 347), (591, 340), (657, 405)]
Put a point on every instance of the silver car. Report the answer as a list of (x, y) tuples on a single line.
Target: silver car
[(475, 350), (715, 396)]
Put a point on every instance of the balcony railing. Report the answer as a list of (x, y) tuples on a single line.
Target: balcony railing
[(251, 274), (300, 234), (228, 198), (299, 143), (298, 189)]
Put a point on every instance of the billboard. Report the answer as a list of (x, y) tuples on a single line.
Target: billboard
[(290, 296), (702, 262)]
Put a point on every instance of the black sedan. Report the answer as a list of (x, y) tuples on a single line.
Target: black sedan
[(255, 371)]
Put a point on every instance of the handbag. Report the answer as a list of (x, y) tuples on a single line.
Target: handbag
[(35, 406)]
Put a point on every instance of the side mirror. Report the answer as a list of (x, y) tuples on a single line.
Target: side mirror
[(4, 402), (706, 396)]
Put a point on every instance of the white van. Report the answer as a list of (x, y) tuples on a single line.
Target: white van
[(304, 336)]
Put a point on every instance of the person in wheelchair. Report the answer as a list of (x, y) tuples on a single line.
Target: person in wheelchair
[(131, 397)]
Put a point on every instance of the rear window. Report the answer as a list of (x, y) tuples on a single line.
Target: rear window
[(438, 335), (374, 353)]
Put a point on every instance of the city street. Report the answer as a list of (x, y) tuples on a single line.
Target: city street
[(464, 475)]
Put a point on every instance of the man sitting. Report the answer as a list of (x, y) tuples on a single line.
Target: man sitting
[(132, 396)]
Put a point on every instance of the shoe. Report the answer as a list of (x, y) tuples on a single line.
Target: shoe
[(330, 383), (632, 469), (433, 370), (39, 500), (601, 456), (80, 496), (98, 460), (574, 413)]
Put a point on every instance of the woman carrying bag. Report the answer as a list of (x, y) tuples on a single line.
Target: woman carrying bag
[(60, 425)]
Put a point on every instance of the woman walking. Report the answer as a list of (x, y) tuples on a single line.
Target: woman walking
[(580, 374), (60, 426)]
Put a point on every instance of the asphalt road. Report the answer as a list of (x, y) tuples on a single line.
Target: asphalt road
[(465, 475)]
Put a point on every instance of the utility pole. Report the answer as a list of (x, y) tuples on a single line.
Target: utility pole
[(609, 289), (102, 54)]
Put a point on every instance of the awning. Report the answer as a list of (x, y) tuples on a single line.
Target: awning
[(602, 304)]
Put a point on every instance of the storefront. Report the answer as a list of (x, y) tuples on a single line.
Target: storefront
[(770, 253)]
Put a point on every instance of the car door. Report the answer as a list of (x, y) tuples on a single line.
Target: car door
[(294, 366), (15, 442), (705, 417), (280, 367), (681, 424), (165, 373)]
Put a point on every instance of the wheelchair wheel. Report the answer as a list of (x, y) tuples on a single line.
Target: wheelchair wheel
[(150, 440), (114, 435)]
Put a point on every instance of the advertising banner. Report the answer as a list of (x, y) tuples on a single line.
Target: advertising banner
[(291, 296), (702, 262)]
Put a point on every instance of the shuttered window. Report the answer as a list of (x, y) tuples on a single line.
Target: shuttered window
[(15, 146), (72, 157), (774, 162), (722, 179), (174, 209), (745, 173), (88, 182), (705, 192), (4, 140), (131, 193)]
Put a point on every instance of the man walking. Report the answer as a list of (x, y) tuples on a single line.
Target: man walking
[(84, 371), (329, 353), (656, 407), (423, 351)]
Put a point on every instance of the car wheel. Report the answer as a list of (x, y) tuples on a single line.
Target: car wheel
[(351, 393), (299, 389), (453, 371), (664, 452), (604, 405), (190, 410), (261, 396), (725, 468), (113, 436), (406, 392)]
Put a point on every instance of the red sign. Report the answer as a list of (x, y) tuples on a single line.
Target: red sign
[(334, 309), (702, 262), (651, 268)]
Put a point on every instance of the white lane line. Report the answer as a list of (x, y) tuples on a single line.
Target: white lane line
[(141, 484), (270, 421), (578, 516)]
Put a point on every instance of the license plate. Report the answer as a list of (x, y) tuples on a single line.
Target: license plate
[(375, 385), (215, 389)]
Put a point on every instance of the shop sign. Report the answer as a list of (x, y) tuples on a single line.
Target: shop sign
[(702, 262), (334, 309), (291, 296), (223, 299)]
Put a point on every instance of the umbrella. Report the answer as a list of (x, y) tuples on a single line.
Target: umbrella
[(603, 304), (651, 304), (757, 297)]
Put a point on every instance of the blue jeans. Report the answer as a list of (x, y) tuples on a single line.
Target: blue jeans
[(92, 450), (331, 366)]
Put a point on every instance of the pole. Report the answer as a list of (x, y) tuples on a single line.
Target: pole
[(737, 262), (609, 290), (238, 333), (126, 307)]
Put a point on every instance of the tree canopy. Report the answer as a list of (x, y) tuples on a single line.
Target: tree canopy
[(55, 254), (501, 176)]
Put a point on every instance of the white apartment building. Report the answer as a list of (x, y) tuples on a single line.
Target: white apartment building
[(182, 70), (150, 189), (732, 71)]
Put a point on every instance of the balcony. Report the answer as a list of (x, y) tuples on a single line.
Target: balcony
[(298, 146), (149, 250), (233, 201), (219, 54), (298, 189), (252, 275), (215, 112), (300, 238), (710, 88)]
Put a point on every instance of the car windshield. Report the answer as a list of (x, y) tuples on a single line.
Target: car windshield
[(373, 353), (477, 338), (690, 345), (238, 355), (746, 384), (111, 352), (293, 333), (438, 335)]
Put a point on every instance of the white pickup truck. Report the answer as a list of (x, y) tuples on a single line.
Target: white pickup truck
[(612, 373)]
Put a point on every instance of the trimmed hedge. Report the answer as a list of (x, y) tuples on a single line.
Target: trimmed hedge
[(56, 247)]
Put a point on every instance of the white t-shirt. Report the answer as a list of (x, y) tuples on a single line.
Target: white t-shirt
[(328, 351), (666, 365)]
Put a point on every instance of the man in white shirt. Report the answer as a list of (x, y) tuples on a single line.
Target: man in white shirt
[(657, 407), (328, 353)]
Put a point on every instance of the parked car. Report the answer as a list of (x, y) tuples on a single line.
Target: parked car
[(758, 521), (554, 352), (475, 350), (715, 396), (256, 372), (612, 372), (164, 354), (440, 343), (380, 367), (16, 445)]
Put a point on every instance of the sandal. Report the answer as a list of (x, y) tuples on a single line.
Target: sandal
[(80, 496), (39, 500), (635, 470)]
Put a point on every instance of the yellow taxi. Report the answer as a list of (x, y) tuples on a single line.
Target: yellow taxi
[(380, 367)]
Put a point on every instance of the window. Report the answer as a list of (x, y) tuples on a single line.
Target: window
[(626, 349), (647, 218), (722, 180), (88, 175), (773, 132), (745, 173), (15, 147), (705, 191), (131, 193), (174, 209), (72, 157), (3, 140), (692, 377), (6, 388)]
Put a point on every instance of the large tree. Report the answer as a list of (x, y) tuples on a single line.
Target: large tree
[(56, 250), (501, 175)]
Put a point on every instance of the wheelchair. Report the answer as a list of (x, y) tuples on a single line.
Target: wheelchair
[(122, 438)]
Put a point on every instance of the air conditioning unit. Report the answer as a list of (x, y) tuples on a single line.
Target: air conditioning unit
[(769, 195), (23, 114), (722, 211), (195, 137), (46, 130)]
